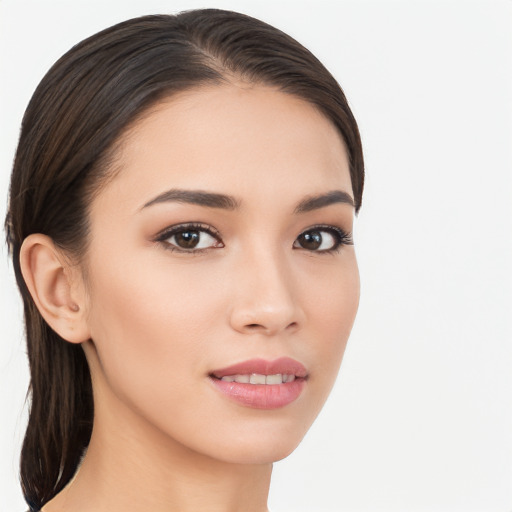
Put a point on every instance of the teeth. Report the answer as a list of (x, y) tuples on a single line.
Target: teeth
[(256, 378), (274, 379)]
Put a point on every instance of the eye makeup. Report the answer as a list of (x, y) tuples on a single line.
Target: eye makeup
[(190, 237), (313, 240), (197, 237)]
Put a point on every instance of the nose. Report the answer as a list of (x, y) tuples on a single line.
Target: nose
[(265, 299)]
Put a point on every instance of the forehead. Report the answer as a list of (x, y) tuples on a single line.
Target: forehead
[(238, 139)]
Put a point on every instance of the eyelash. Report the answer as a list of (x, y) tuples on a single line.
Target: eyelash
[(163, 236), (341, 237)]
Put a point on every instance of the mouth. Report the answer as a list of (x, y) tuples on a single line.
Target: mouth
[(258, 378), (262, 384)]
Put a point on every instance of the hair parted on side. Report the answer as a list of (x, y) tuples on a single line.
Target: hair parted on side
[(83, 105)]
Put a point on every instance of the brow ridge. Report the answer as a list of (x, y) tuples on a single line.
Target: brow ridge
[(322, 200), (198, 197)]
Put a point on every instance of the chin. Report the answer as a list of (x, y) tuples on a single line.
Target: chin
[(259, 442), (262, 451)]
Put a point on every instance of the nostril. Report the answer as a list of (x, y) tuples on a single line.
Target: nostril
[(258, 327)]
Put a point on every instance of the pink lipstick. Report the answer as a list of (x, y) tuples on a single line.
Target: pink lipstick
[(262, 384)]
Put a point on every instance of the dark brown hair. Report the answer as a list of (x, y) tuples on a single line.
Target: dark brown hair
[(73, 121)]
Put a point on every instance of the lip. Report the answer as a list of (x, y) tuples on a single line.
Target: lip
[(282, 365), (262, 396)]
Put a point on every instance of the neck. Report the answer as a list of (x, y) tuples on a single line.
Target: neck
[(137, 468)]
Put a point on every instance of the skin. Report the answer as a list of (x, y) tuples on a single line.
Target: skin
[(154, 323)]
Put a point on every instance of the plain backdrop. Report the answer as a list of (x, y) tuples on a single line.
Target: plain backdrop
[(421, 415)]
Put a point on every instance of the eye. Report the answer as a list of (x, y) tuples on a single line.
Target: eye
[(322, 239), (190, 238)]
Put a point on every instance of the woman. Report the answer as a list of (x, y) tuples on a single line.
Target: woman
[(180, 222)]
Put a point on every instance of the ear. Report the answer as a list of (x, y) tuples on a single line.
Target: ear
[(52, 282)]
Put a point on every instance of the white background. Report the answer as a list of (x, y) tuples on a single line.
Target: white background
[(421, 415)]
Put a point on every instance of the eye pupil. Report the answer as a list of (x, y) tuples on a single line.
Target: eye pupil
[(311, 240), (187, 239)]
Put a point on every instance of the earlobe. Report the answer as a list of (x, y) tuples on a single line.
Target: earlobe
[(49, 281)]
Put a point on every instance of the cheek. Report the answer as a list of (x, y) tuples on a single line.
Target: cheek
[(144, 321), (150, 296), (332, 311)]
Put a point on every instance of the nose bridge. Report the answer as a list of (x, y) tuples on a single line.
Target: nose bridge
[(265, 300)]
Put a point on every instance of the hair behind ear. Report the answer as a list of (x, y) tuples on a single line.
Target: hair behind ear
[(61, 408), (61, 411)]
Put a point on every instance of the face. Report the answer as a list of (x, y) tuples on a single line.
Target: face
[(221, 253)]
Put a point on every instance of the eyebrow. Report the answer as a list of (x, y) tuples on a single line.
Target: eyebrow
[(322, 200), (199, 197), (226, 202)]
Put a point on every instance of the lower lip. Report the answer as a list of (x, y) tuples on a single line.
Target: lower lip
[(261, 396)]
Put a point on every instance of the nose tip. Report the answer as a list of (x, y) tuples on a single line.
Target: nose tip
[(266, 305)]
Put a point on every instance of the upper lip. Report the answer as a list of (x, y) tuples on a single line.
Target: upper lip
[(283, 365)]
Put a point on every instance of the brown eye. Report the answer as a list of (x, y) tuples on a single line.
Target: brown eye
[(326, 239), (187, 239), (190, 239), (310, 240)]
